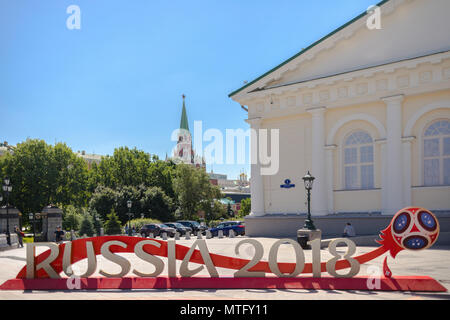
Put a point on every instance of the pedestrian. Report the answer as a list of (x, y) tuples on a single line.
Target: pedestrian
[(20, 236), (349, 231), (59, 234)]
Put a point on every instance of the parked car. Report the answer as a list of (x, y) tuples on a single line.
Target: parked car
[(157, 230), (194, 225), (237, 226), (178, 227)]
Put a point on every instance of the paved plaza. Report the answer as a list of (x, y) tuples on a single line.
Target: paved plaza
[(433, 262)]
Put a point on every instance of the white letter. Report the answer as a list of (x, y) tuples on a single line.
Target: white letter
[(73, 282), (274, 158), (54, 252), (374, 20), (198, 137), (216, 146), (73, 21), (121, 261), (157, 262), (67, 261), (240, 135), (373, 281), (185, 272)]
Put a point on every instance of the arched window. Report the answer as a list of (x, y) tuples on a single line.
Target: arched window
[(436, 154), (358, 161)]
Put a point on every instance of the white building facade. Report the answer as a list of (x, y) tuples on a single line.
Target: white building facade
[(367, 111)]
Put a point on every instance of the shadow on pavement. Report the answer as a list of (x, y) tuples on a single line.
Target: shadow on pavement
[(13, 258)]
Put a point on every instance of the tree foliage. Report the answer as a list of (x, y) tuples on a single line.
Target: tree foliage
[(151, 202), (246, 207), (42, 174), (71, 218), (87, 227), (112, 224), (193, 189)]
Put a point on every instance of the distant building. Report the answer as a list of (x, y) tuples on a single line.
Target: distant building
[(235, 201), (6, 148), (89, 158), (184, 153), (241, 185)]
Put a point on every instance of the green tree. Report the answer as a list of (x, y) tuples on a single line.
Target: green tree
[(97, 222), (71, 218), (112, 224), (193, 190), (156, 204), (246, 207), (229, 210), (126, 167), (87, 227), (42, 174), (161, 174), (103, 200)]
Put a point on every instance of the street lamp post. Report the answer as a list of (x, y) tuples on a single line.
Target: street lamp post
[(308, 179), (32, 218), (7, 189), (129, 216)]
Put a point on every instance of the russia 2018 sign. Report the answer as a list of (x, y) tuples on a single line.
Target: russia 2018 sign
[(410, 228)]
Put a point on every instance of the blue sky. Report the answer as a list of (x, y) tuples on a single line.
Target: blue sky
[(118, 80)]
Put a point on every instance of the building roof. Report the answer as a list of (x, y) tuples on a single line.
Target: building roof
[(184, 120), (304, 50)]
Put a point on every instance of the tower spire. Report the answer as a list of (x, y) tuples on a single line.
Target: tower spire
[(184, 120)]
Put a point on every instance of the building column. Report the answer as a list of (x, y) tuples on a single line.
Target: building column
[(329, 150), (406, 144), (394, 174), (383, 175), (319, 204), (256, 179)]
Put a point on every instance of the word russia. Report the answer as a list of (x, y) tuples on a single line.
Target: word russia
[(410, 229), (60, 258)]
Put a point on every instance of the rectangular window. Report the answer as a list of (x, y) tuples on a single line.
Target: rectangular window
[(447, 171), (350, 156), (431, 148), (367, 180), (447, 146), (431, 172), (351, 177), (366, 153)]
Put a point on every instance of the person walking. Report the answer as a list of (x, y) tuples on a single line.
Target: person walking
[(20, 236)]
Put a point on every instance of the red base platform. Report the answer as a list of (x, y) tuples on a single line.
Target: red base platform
[(399, 283)]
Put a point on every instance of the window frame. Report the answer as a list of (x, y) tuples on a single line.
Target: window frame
[(441, 156), (358, 164)]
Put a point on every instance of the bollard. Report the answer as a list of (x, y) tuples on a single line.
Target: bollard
[(231, 233), (188, 235), (150, 235), (199, 235), (208, 234), (177, 236), (220, 234), (164, 236)]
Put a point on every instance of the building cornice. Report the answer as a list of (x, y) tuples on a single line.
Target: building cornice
[(421, 75)]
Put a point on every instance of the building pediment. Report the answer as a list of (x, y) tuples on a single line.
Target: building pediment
[(409, 29)]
